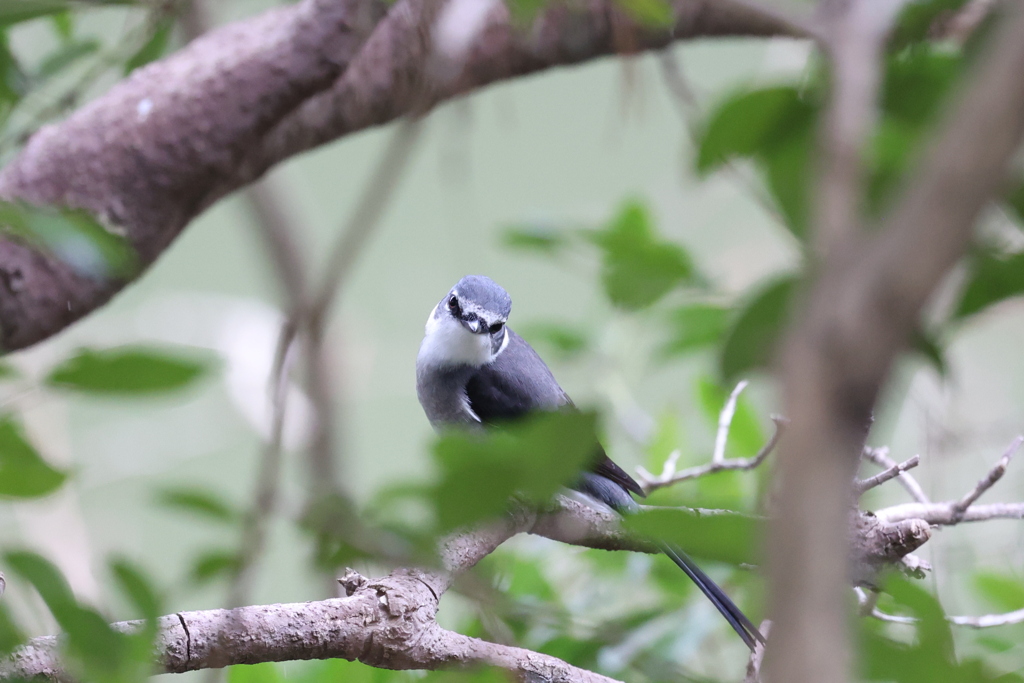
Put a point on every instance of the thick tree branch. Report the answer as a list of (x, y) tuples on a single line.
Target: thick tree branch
[(390, 622), (860, 315), (147, 157)]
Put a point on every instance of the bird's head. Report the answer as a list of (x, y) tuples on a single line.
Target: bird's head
[(467, 327)]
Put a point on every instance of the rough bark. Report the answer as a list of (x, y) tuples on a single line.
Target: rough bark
[(864, 307), (174, 137)]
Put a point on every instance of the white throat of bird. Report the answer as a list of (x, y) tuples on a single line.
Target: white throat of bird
[(446, 342)]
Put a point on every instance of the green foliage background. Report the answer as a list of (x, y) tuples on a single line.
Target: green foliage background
[(652, 261)]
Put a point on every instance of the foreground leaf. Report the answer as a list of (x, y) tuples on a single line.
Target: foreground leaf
[(127, 370), (1005, 592), (638, 268), (729, 538), (694, 327), (534, 458), (199, 502), (23, 472), (73, 236), (991, 278), (16, 11), (751, 123), (751, 342)]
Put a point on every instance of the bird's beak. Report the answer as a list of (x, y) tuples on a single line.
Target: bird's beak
[(474, 325)]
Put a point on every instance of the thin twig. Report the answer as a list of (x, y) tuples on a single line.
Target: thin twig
[(867, 604), (863, 485), (669, 476), (880, 456), (941, 514), (990, 620), (254, 530), (279, 232), (994, 475), (367, 213), (953, 512), (725, 421), (324, 478)]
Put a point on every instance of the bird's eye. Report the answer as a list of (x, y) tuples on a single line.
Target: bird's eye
[(453, 304), (495, 328)]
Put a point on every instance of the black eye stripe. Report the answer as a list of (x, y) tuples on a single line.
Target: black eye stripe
[(495, 328)]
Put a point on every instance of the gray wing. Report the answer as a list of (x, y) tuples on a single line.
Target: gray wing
[(516, 383), (519, 382)]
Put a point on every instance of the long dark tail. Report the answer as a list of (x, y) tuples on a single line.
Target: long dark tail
[(608, 486), (736, 618)]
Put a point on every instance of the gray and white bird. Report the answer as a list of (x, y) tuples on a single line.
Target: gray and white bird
[(472, 370)]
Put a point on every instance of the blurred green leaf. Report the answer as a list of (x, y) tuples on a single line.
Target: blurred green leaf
[(752, 123), (212, 565), (694, 327), (267, 672), (532, 458), (728, 537), (63, 24), (650, 12), (722, 491), (745, 434), (889, 154), (917, 82), (916, 19), (666, 438), (339, 533), (534, 237), (928, 345), (991, 278), (525, 11), (13, 81), (11, 636), (638, 269), (206, 504), (787, 168), (23, 472), (562, 339), (517, 576), (1004, 592), (931, 658), (138, 589), (15, 11), (994, 643), (933, 631), (128, 370), (580, 651), (776, 128), (1015, 202), (154, 48), (470, 675), (66, 55), (74, 237), (344, 671), (45, 578), (90, 638), (750, 342)]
